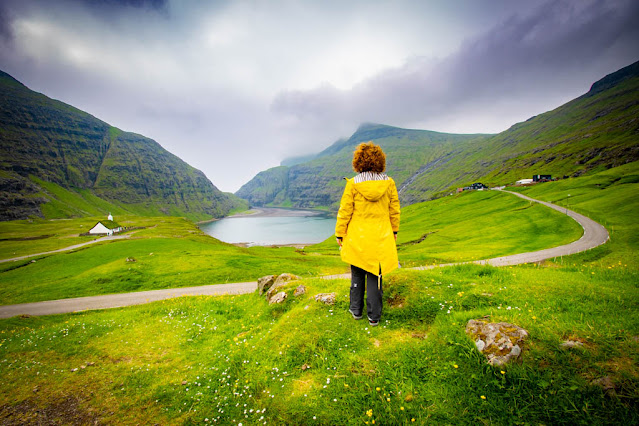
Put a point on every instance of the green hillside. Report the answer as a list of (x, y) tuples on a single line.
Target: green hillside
[(57, 161), (594, 132), (318, 183), (237, 359)]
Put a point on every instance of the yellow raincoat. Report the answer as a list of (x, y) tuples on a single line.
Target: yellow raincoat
[(367, 217)]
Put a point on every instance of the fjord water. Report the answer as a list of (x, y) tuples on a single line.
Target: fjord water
[(273, 226)]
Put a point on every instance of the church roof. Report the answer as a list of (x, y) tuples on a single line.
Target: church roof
[(109, 224)]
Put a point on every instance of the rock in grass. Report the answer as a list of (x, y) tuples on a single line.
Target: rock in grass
[(278, 298), (264, 283), (500, 342), (278, 283), (286, 277), (327, 298), (273, 290), (301, 289), (606, 384), (571, 344)]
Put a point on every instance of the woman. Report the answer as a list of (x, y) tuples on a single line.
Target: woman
[(366, 229)]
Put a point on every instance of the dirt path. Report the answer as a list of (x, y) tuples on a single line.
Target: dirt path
[(594, 235), (63, 306), (97, 240)]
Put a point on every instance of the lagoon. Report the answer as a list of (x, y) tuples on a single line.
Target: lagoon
[(273, 226)]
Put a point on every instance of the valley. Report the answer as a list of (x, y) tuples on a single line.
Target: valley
[(302, 361), (234, 359)]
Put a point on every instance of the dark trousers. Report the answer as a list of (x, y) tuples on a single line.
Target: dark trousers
[(361, 279)]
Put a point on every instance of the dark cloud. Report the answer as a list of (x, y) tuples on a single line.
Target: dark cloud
[(6, 33), (553, 53), (119, 5), (214, 81)]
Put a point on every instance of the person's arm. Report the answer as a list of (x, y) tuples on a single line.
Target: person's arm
[(345, 213), (394, 209)]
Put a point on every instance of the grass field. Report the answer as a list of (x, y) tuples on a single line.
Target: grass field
[(172, 252), (168, 253), (231, 360), (474, 225)]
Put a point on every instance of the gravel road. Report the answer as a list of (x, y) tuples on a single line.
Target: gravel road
[(594, 235), (97, 240)]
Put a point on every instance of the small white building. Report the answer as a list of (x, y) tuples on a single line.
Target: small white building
[(524, 182), (105, 227)]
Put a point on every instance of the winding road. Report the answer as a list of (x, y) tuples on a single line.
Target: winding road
[(97, 240), (594, 235)]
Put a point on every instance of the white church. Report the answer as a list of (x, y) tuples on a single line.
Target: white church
[(106, 227)]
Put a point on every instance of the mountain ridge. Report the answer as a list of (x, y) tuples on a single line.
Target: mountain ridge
[(599, 129), (48, 140)]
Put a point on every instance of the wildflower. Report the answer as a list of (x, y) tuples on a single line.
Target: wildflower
[(503, 372), (369, 413), (378, 389), (401, 408), (482, 397), (387, 399), (456, 366), (413, 419)]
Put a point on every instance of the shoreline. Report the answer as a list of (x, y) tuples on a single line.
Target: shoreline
[(277, 212), (295, 245)]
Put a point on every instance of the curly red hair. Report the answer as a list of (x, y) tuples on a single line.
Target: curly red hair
[(369, 157)]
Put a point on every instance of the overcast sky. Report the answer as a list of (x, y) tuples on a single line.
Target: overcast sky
[(234, 87)]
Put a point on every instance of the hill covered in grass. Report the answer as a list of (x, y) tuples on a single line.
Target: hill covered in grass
[(594, 132), (237, 359), (58, 161), (318, 183)]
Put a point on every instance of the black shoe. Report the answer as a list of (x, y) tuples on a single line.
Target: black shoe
[(357, 317), (373, 323)]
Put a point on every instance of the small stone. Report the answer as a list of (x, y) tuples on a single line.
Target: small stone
[(286, 277), (301, 289), (305, 367), (327, 298), (606, 384), (184, 382), (480, 344), (264, 283), (131, 259), (499, 342), (273, 290), (571, 344), (515, 351), (278, 298)]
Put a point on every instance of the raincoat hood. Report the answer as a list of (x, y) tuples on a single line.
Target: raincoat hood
[(372, 190)]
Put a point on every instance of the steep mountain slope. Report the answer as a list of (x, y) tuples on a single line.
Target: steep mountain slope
[(318, 183), (596, 131), (47, 141)]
